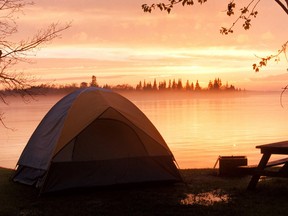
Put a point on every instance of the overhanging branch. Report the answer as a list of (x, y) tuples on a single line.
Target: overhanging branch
[(285, 8)]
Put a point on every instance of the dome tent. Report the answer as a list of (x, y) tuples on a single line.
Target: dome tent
[(94, 137)]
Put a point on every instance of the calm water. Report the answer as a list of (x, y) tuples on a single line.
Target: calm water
[(197, 128)]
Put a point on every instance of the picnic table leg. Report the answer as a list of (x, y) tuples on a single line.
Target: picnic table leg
[(261, 166)]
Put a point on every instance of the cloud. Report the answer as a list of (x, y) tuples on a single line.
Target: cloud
[(242, 38), (272, 78), (267, 36), (116, 37)]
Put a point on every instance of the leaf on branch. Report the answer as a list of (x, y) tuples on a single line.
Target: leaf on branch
[(190, 2), (147, 8), (254, 14), (244, 15), (263, 62), (247, 24), (255, 68), (202, 1), (168, 7), (230, 8), (244, 10), (225, 31)]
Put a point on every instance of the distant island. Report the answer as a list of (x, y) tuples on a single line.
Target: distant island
[(172, 85)]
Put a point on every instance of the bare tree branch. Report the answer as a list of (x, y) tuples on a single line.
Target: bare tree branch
[(43, 36), (281, 95), (3, 123), (285, 8), (12, 53)]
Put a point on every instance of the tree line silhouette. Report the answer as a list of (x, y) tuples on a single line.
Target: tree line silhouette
[(215, 85), (172, 85)]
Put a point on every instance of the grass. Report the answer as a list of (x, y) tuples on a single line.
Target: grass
[(203, 187)]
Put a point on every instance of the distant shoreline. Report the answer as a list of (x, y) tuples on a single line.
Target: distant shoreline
[(36, 91)]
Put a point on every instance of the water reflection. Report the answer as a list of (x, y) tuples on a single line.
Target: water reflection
[(207, 198), (197, 128)]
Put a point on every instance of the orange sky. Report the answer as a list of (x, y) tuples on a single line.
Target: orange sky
[(119, 43)]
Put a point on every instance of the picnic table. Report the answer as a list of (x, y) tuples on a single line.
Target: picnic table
[(267, 150)]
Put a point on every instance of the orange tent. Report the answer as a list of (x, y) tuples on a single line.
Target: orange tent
[(94, 137)]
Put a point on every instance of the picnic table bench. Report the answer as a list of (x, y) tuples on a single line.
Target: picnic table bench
[(260, 170), (251, 169)]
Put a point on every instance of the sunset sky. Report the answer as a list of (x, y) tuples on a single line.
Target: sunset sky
[(119, 43)]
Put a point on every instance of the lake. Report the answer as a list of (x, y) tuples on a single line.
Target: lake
[(197, 127)]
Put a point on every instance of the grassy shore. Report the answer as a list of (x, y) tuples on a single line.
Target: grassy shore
[(205, 193)]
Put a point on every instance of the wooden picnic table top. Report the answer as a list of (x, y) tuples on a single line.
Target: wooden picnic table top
[(267, 150), (274, 148)]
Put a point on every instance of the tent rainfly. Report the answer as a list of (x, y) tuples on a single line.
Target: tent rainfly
[(94, 137)]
